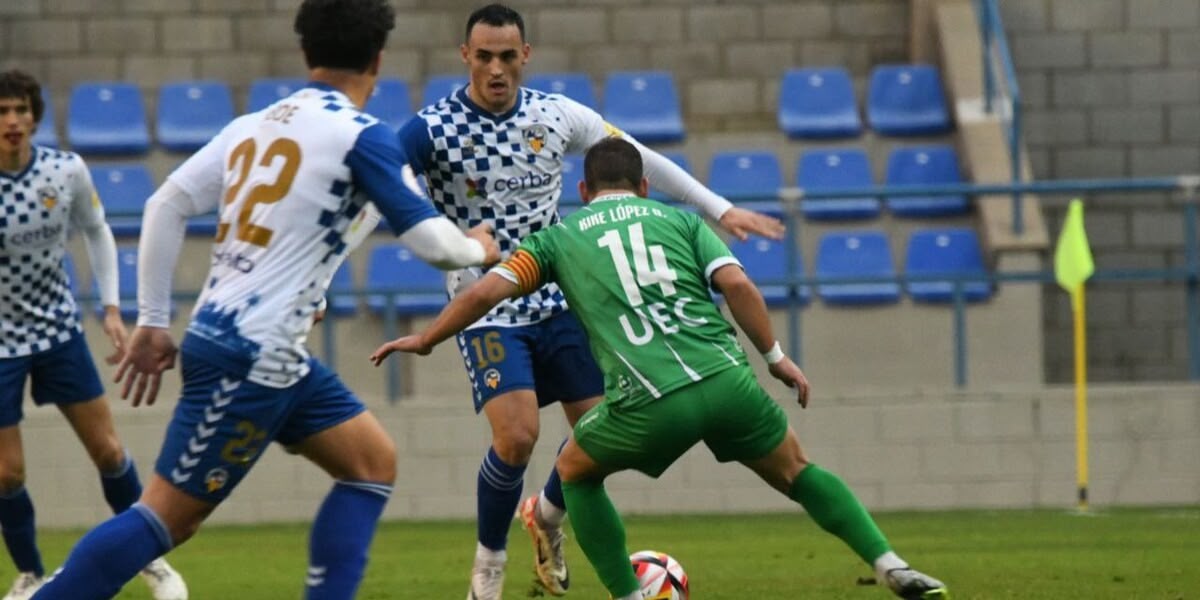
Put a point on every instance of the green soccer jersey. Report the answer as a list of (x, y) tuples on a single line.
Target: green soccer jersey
[(636, 274)]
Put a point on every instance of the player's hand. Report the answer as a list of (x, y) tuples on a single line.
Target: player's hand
[(412, 344), (114, 328), (483, 233), (787, 372), (150, 351), (318, 316), (741, 223)]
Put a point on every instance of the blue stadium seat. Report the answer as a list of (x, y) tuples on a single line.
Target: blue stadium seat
[(390, 102), (854, 254), (47, 132), (766, 260), (749, 178), (391, 267), (818, 103), (919, 165), (907, 100), (107, 118), (190, 113), (265, 92), (645, 105), (340, 298), (678, 158), (576, 86), (127, 259), (123, 189), (440, 86), (572, 174), (818, 170), (936, 252)]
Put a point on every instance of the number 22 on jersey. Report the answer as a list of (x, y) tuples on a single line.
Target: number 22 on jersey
[(244, 160)]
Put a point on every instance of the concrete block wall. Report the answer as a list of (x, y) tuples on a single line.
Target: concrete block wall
[(921, 450), (1111, 89)]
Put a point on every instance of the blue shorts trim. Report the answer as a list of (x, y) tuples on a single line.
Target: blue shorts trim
[(224, 422), (551, 357), (64, 374)]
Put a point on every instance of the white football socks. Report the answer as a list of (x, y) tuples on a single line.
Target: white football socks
[(548, 514), (886, 562), (483, 554)]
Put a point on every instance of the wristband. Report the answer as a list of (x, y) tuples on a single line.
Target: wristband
[(774, 355)]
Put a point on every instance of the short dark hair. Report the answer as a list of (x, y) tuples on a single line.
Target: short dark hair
[(19, 84), (612, 163), (496, 15), (343, 34)]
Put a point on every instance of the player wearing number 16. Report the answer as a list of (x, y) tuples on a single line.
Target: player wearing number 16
[(291, 184), (637, 274)]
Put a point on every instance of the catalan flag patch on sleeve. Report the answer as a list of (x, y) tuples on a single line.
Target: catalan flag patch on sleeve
[(525, 267)]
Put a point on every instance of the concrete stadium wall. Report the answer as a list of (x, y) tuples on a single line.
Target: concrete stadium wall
[(1111, 89), (907, 451)]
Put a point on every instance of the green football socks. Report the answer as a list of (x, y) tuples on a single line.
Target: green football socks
[(831, 503), (600, 534)]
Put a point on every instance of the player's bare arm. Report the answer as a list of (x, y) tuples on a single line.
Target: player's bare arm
[(750, 311), (466, 308)]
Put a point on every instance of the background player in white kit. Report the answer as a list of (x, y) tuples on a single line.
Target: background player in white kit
[(289, 182), (43, 193), (493, 153)]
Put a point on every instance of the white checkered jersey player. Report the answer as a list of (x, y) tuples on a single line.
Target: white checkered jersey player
[(493, 152), (44, 193), (290, 183)]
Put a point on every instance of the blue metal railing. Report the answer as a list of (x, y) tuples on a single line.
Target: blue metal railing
[(995, 47), (1186, 186)]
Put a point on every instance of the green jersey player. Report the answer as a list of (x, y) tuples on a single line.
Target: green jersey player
[(637, 274)]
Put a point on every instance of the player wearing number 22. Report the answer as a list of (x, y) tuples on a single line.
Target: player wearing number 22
[(291, 183), (637, 274)]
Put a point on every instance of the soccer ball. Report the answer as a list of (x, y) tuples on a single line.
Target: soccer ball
[(661, 577)]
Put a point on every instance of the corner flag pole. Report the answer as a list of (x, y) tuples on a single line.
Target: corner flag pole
[(1081, 419), (1072, 267)]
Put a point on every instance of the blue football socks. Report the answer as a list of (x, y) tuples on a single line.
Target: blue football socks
[(109, 556), (340, 538), (499, 492), (121, 487), (20, 535)]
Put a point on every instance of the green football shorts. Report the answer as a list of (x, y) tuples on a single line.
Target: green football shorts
[(728, 411)]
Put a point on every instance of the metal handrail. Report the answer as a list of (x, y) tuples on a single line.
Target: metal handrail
[(995, 44), (1185, 185)]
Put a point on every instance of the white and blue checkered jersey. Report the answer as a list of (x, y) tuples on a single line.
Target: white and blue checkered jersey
[(290, 181), (505, 170), (51, 195)]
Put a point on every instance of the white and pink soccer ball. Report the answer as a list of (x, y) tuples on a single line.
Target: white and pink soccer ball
[(661, 577)]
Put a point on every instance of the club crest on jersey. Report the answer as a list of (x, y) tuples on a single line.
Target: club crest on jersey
[(535, 136), (216, 479), (477, 188), (49, 197), (491, 378)]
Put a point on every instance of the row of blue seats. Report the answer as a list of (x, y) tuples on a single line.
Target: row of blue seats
[(757, 174), (110, 117), (735, 174), (931, 253)]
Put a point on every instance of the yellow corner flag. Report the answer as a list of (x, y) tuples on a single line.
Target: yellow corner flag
[(1072, 267), (1073, 257)]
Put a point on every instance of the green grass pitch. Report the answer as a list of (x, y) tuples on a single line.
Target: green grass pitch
[(1124, 553)]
